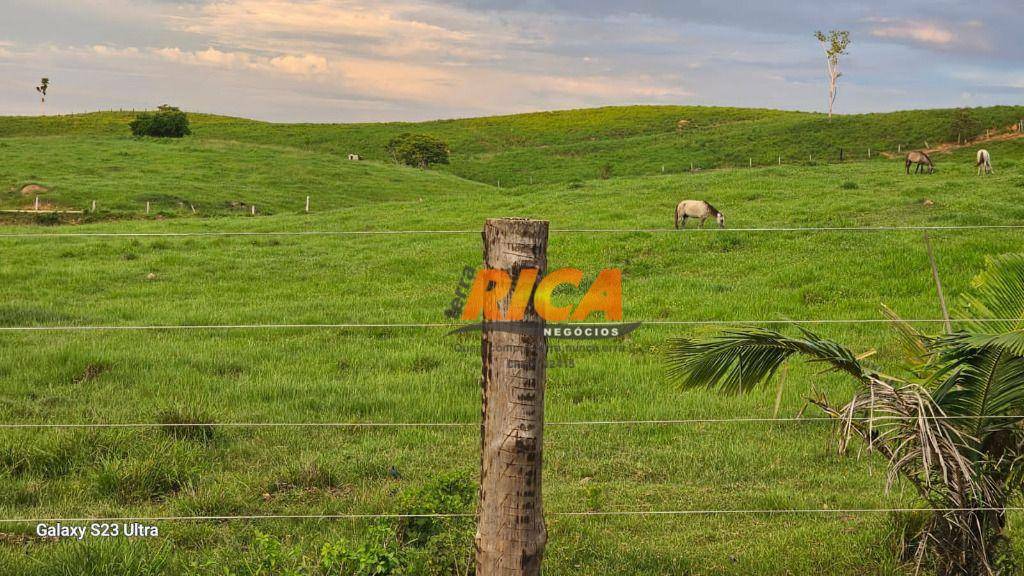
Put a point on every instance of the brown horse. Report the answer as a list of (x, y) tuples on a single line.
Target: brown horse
[(922, 160)]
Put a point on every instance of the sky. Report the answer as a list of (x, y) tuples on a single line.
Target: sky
[(355, 61)]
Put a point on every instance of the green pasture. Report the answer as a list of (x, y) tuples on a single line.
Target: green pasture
[(422, 374)]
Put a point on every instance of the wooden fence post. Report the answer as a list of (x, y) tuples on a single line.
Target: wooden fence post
[(510, 534)]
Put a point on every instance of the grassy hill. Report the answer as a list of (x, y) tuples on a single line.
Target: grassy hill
[(584, 144), (216, 177), (424, 375)]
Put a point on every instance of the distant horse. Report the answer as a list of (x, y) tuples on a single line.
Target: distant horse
[(922, 160), (984, 162), (697, 209)]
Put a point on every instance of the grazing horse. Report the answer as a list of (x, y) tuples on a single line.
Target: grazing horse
[(697, 209), (984, 162), (922, 160)]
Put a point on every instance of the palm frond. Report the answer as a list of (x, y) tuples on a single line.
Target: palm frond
[(915, 345), (738, 360), (984, 385), (967, 343), (997, 294)]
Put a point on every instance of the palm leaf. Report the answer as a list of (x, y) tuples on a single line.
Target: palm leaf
[(985, 385), (737, 361), (916, 350), (998, 294)]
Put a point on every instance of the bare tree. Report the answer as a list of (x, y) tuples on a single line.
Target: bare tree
[(44, 84), (834, 43)]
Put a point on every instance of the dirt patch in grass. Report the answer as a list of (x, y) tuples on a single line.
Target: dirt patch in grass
[(310, 479), (92, 371), (29, 189)]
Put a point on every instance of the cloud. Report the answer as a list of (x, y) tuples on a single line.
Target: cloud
[(113, 51), (419, 59), (915, 31), (294, 64), (384, 27), (931, 34)]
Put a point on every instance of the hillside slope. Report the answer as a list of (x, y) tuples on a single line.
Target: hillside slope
[(585, 144), (212, 176)]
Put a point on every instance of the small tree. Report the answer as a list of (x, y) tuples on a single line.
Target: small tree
[(418, 150), (834, 44), (44, 85), (964, 124), (166, 122)]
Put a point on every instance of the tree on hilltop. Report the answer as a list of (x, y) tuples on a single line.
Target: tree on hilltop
[(44, 85), (835, 44)]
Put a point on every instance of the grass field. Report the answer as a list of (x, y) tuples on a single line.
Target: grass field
[(422, 374)]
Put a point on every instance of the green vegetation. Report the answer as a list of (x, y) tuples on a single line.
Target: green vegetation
[(166, 122), (423, 375), (550, 147), (419, 150), (949, 423)]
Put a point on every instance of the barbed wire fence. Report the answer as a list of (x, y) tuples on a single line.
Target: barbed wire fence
[(449, 326)]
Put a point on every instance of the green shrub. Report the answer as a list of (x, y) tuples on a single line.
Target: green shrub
[(438, 545), (268, 555), (419, 150), (166, 122), (47, 219), (377, 557)]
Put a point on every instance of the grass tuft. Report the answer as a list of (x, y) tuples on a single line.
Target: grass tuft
[(187, 424)]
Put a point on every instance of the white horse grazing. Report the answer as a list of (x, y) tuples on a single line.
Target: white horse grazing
[(984, 162), (697, 209)]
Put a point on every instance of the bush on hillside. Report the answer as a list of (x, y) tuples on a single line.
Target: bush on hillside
[(419, 150), (166, 122), (963, 125)]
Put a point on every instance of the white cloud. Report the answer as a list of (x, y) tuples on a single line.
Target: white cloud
[(932, 34), (113, 51), (292, 64), (306, 64)]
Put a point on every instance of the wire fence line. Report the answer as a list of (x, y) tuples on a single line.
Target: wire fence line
[(712, 230), (566, 423), (453, 326), (563, 513)]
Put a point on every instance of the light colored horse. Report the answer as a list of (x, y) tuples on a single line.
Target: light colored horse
[(984, 162), (697, 209), (921, 159)]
